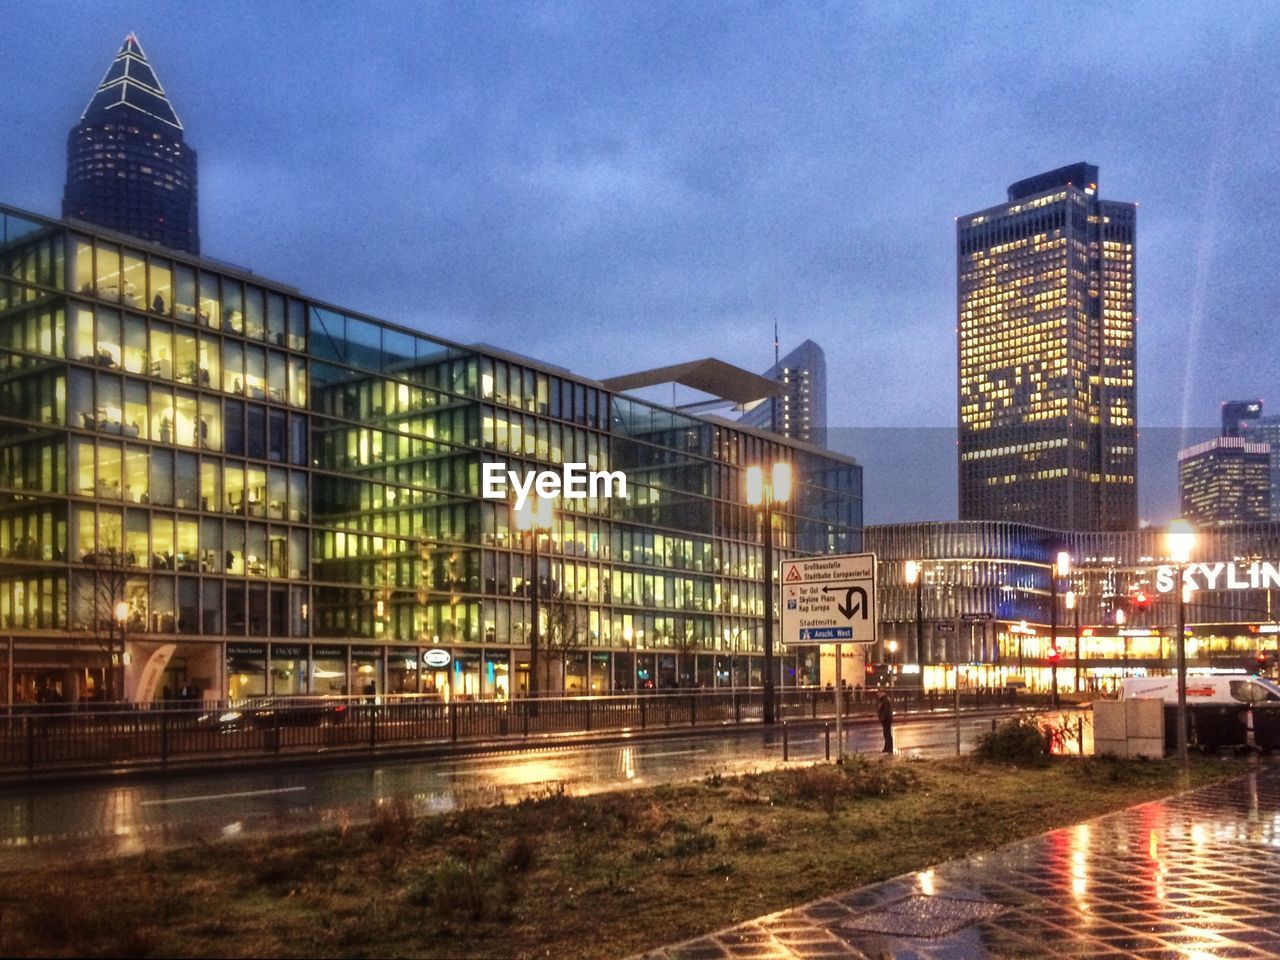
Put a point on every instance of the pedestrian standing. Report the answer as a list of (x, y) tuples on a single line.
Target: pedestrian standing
[(884, 709)]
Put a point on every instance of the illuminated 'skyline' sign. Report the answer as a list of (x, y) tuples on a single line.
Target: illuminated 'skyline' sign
[(1254, 575)]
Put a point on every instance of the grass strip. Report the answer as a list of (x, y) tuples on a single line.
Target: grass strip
[(558, 876)]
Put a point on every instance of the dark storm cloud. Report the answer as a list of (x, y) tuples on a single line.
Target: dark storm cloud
[(662, 181)]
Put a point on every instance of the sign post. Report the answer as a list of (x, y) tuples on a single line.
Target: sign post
[(830, 600)]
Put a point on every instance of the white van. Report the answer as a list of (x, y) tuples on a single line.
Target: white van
[(1219, 689)]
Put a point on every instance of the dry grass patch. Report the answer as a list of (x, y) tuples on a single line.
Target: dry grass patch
[(602, 876)]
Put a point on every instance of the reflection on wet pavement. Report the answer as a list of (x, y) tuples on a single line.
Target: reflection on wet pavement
[(105, 819), (1197, 875)]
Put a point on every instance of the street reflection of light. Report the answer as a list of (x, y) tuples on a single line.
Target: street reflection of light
[(1199, 835), (1157, 878), (628, 763), (233, 829), (925, 879), (1080, 864), (531, 771)]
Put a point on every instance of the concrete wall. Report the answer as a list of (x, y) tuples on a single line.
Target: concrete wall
[(1128, 728)]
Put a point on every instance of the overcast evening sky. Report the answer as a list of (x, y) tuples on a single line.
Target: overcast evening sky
[(614, 186)]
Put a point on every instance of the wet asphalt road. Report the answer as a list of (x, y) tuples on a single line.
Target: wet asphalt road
[(105, 819)]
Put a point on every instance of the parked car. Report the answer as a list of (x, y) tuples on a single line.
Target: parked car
[(266, 713), (1224, 710)]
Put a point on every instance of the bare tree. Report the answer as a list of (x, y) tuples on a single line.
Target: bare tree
[(563, 635), (686, 645), (107, 584)]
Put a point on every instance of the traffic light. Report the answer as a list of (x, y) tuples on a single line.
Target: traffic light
[(1262, 662)]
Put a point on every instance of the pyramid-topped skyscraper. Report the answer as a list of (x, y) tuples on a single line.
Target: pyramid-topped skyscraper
[(128, 165)]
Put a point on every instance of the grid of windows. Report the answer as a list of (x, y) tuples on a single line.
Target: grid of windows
[(258, 469), (1046, 360)]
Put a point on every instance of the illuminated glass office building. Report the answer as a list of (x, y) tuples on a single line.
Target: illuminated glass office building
[(1047, 396), (1225, 480), (979, 609), (208, 477), (1267, 430)]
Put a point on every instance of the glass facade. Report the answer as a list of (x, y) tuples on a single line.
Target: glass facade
[(1225, 480), (984, 597), (1046, 331), (286, 496)]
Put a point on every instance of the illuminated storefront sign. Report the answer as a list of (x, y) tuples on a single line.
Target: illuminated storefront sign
[(436, 657), (1254, 575)]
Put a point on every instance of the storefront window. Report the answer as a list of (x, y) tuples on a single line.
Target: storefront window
[(402, 673), (624, 671), (601, 673), (497, 682), (246, 670), (436, 675), (288, 670), (465, 681), (366, 671), (329, 671)]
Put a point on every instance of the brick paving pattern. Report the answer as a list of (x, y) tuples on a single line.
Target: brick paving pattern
[(1197, 875)]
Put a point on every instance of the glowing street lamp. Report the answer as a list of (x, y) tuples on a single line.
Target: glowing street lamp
[(1181, 541), (765, 496)]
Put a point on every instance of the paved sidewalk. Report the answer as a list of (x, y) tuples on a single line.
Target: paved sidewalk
[(1197, 875)]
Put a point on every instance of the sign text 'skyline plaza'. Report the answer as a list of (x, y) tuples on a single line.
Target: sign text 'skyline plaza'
[(289, 497), (973, 598)]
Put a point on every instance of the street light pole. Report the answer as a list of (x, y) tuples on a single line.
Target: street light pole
[(534, 516), (121, 618), (768, 611), (535, 626), (915, 575), (1061, 568), (765, 496), (1073, 604), (1182, 539)]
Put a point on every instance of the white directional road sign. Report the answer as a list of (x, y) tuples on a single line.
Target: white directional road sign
[(829, 599)]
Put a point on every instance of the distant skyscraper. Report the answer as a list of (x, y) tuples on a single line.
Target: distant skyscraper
[(1267, 430), (801, 411), (1235, 413), (1047, 401), (128, 167), (1225, 480)]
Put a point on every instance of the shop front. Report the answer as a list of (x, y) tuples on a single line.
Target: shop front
[(246, 670)]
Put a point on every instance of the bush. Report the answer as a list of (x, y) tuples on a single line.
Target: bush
[(1021, 741)]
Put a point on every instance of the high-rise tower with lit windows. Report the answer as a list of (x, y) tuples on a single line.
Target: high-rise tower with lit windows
[(800, 411), (129, 167), (1046, 306)]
